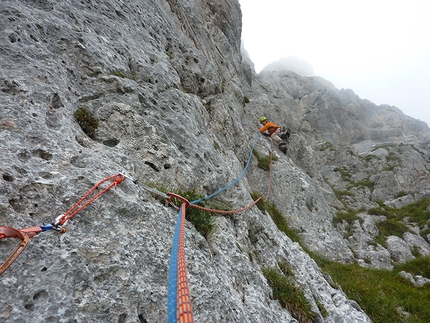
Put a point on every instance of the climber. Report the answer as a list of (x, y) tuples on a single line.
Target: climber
[(274, 131)]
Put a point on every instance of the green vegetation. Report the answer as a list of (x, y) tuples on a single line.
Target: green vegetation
[(365, 183), (381, 293), (417, 213), (133, 77), (384, 295), (171, 56), (264, 162), (289, 295), (392, 158), (216, 146), (370, 157), (88, 122), (327, 146), (419, 266), (340, 194), (276, 216), (348, 216), (390, 227), (208, 106), (202, 220), (346, 177)]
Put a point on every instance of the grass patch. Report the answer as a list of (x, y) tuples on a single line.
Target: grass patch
[(327, 146), (123, 75), (346, 177), (349, 217), (277, 217), (390, 168), (339, 194), (415, 212), (264, 162), (418, 266), (202, 220), (289, 295), (392, 227), (88, 122), (381, 292), (366, 183), (369, 158), (171, 56), (260, 204), (344, 174)]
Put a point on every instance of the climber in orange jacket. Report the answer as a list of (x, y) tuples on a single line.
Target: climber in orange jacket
[(272, 130)]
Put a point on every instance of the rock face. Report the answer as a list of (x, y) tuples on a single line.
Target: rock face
[(177, 105)]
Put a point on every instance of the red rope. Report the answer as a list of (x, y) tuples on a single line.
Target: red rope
[(26, 233), (226, 212), (8, 232), (184, 310), (118, 178), (270, 174)]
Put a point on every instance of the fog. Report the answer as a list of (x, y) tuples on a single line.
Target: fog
[(379, 49)]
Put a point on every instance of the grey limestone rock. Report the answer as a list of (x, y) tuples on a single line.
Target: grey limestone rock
[(177, 103)]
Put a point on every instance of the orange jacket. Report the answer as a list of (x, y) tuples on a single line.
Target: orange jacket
[(270, 127)]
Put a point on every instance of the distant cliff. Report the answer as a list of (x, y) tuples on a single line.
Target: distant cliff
[(173, 102)]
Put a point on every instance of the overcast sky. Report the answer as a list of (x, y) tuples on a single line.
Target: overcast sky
[(378, 48)]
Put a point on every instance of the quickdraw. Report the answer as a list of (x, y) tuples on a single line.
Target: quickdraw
[(26, 233), (8, 232)]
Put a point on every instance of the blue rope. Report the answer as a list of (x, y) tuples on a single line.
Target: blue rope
[(173, 275), (173, 269), (235, 181)]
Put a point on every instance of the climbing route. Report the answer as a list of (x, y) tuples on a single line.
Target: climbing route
[(178, 303), (179, 300)]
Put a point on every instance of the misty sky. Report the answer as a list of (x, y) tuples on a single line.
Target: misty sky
[(378, 48)]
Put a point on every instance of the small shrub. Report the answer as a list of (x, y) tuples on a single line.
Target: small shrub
[(401, 193), (345, 175), (416, 213), (340, 194), (88, 122)]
